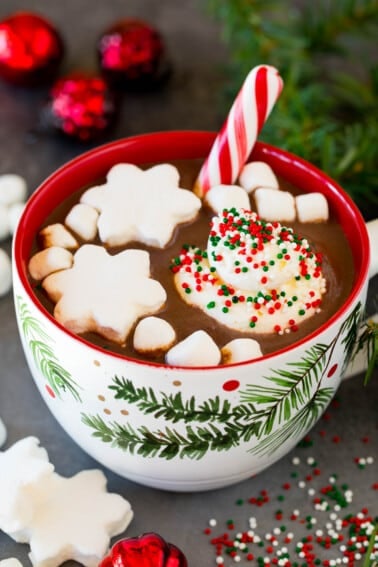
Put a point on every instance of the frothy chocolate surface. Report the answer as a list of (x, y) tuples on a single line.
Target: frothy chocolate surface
[(327, 238)]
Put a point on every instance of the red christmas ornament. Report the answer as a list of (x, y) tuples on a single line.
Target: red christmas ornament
[(80, 106), (148, 550), (31, 49), (132, 55)]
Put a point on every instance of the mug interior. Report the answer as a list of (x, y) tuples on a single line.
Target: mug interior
[(165, 146)]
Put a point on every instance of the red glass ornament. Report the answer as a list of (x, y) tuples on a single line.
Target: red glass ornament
[(148, 550), (31, 49), (132, 55), (80, 106)]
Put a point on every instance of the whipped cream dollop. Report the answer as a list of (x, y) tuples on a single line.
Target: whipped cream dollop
[(255, 276)]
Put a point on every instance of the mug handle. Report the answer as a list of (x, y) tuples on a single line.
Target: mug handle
[(358, 364)]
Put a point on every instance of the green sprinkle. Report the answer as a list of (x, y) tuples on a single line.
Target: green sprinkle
[(245, 269), (307, 276), (249, 299), (211, 305), (266, 269), (235, 299), (225, 309), (280, 256), (212, 270), (252, 324), (239, 502), (301, 312), (188, 290), (281, 497)]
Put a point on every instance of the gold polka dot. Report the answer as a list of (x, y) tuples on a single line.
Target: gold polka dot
[(124, 412), (176, 383), (101, 398), (97, 363), (107, 411)]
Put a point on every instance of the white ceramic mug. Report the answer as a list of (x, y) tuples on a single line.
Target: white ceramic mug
[(184, 428)]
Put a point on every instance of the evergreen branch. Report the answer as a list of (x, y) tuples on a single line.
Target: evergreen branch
[(168, 443), (340, 137), (294, 387), (299, 424), (59, 379), (368, 562), (173, 408)]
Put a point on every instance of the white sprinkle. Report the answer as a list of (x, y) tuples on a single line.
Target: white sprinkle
[(212, 522), (319, 533), (333, 516), (310, 460), (370, 460), (301, 484), (219, 560), (237, 558), (277, 531), (311, 491), (295, 460)]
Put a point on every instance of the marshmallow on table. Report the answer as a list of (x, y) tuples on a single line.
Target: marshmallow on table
[(14, 214), (13, 189), (4, 222), (273, 205), (153, 335), (312, 207), (239, 350), (3, 433), (222, 197), (48, 261), (82, 219), (10, 562), (57, 235), (5, 273), (198, 349), (21, 466), (257, 174), (74, 519)]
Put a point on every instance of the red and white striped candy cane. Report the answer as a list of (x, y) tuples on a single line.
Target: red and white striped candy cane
[(243, 124)]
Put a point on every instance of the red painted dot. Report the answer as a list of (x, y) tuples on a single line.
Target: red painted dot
[(231, 385), (332, 370), (50, 391)]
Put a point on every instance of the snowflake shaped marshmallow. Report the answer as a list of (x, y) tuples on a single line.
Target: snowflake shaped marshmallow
[(20, 466), (74, 520), (145, 206), (103, 293)]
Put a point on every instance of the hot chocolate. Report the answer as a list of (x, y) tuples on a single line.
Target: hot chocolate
[(323, 245)]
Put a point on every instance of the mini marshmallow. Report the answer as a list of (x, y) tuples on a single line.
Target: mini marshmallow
[(13, 189), (57, 235), (198, 349), (5, 273), (257, 174), (239, 350), (372, 228), (48, 261), (4, 222), (10, 562), (273, 205), (153, 335), (3, 433), (82, 219), (312, 207), (14, 214), (223, 197)]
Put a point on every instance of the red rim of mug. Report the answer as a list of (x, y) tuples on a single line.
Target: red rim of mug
[(157, 146)]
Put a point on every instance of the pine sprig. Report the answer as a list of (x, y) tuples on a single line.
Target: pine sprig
[(58, 378), (294, 428), (292, 388), (173, 408), (168, 443), (326, 116)]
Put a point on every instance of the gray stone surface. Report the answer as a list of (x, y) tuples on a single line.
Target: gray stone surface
[(188, 102)]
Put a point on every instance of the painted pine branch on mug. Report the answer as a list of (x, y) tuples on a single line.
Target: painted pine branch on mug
[(59, 379)]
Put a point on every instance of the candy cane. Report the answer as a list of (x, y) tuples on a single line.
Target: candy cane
[(243, 124)]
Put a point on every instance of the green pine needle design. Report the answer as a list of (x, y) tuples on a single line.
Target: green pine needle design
[(291, 402), (292, 388), (59, 379), (168, 443), (173, 408), (293, 428)]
